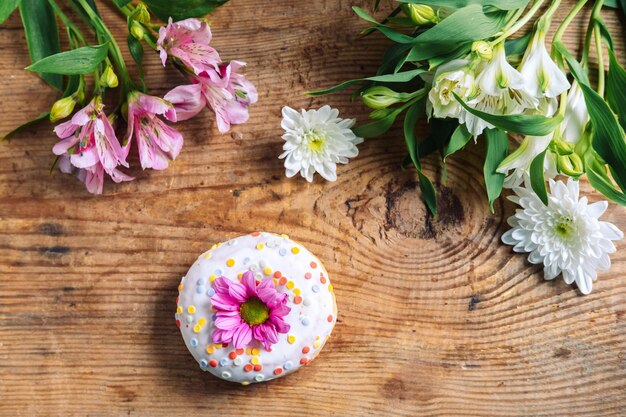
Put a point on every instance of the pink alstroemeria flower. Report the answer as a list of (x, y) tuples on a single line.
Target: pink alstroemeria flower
[(188, 40), (89, 144), (248, 310), (226, 92), (157, 142)]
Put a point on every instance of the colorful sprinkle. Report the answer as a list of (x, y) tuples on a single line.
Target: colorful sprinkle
[(238, 361), (259, 377), (323, 279), (282, 251), (226, 375), (244, 383), (313, 265), (306, 350), (248, 368), (295, 250), (307, 275), (304, 361), (210, 292), (178, 323), (239, 351), (258, 368), (197, 328), (200, 290), (203, 363), (305, 321), (179, 310), (291, 339), (278, 371), (255, 351), (207, 255), (329, 318), (223, 362), (315, 288), (202, 321), (330, 287), (260, 246), (212, 277), (316, 344), (230, 262), (255, 360), (191, 309), (255, 234), (213, 363), (290, 285), (180, 287), (297, 299), (297, 291), (210, 349), (278, 274), (232, 355), (283, 281), (288, 365), (194, 342), (267, 271)]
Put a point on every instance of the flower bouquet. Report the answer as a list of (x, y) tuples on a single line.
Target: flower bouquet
[(469, 70), (89, 145)]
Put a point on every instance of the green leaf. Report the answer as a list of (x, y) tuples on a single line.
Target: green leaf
[(497, 147), (136, 49), (458, 140), (457, 4), (616, 88), (400, 77), (377, 127), (441, 131), (537, 179), (392, 57), (121, 3), (459, 52), (364, 15), (517, 46), (605, 34), (608, 136), (576, 69), (599, 180), (42, 35), (426, 186), (180, 10), (42, 116), (525, 124), (463, 26), (611, 3), (83, 60), (6, 8)]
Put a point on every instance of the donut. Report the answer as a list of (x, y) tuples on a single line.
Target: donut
[(255, 308)]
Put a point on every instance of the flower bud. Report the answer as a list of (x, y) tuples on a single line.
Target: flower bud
[(62, 108), (136, 29), (421, 14), (380, 114), (109, 79), (571, 165), (483, 50), (141, 14), (561, 147), (380, 97)]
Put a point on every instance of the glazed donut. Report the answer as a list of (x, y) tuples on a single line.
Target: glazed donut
[(255, 308)]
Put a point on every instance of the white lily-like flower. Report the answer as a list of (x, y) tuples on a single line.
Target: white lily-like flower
[(316, 141), (576, 115), (452, 77), (543, 77), (519, 161), (566, 236), (485, 103)]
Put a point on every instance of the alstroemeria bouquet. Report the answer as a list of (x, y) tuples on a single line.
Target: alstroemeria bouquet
[(89, 145), (465, 67)]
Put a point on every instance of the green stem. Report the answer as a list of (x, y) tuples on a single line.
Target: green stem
[(520, 23), (568, 19), (587, 44), (67, 22), (595, 15)]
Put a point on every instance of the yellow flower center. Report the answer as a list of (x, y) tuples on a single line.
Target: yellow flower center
[(254, 311), (316, 141), (565, 227)]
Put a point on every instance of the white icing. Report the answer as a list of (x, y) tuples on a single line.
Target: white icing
[(315, 309)]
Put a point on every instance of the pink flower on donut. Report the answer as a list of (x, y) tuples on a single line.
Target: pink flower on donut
[(248, 310)]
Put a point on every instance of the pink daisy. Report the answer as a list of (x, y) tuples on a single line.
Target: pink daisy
[(248, 310)]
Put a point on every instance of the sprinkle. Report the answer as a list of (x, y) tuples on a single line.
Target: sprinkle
[(188, 318), (306, 349), (202, 321), (178, 323), (246, 260), (258, 276), (304, 361), (210, 349), (239, 351), (200, 290), (307, 302), (248, 368), (232, 242), (248, 351), (191, 309), (226, 375), (259, 377), (218, 272), (262, 263), (323, 279), (230, 262), (179, 310), (297, 299), (238, 361), (255, 351), (255, 234), (305, 321), (288, 365), (330, 318), (244, 383), (232, 355), (278, 371), (316, 344), (267, 270), (284, 236), (313, 265), (291, 339), (214, 247), (282, 251), (278, 274), (273, 244), (330, 287), (180, 287), (290, 285), (260, 246), (315, 288), (240, 275), (194, 342), (212, 277), (219, 244), (223, 362), (307, 275), (297, 291), (210, 292), (255, 360), (258, 368), (197, 328), (203, 363), (213, 363), (224, 345), (295, 250), (213, 317), (207, 255), (283, 281), (200, 282)]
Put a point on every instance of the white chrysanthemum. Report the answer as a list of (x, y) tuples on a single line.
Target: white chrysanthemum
[(566, 235), (315, 141)]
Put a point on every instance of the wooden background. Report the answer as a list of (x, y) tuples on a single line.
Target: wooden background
[(436, 316)]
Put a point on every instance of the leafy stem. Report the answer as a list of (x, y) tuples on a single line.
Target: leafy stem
[(568, 19), (595, 16), (519, 24)]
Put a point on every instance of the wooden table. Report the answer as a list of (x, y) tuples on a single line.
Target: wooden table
[(436, 316)]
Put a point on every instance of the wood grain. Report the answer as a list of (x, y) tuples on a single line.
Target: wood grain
[(436, 317)]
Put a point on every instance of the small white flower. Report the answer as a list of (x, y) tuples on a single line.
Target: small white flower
[(576, 115), (543, 77), (316, 140), (451, 77), (519, 161), (566, 236)]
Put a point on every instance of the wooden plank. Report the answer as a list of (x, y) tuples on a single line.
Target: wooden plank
[(436, 317)]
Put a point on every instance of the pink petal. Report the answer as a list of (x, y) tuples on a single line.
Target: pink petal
[(267, 292), (221, 285), (85, 159), (187, 100), (224, 302), (93, 178), (238, 292), (227, 322), (65, 165), (118, 176), (249, 283), (62, 146), (154, 105), (65, 129), (279, 310), (279, 324), (242, 336)]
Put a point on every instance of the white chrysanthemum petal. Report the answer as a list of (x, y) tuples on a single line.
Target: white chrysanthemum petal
[(315, 141), (565, 236)]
